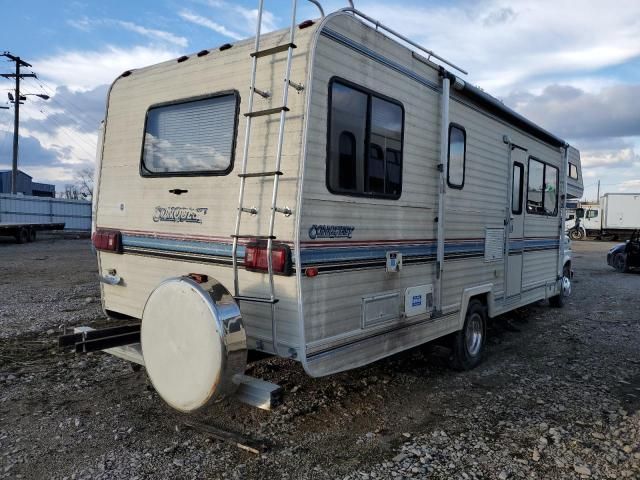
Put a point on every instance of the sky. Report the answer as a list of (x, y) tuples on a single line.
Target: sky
[(573, 67)]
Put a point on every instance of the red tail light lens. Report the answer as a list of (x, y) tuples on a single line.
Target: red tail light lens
[(107, 240), (256, 258)]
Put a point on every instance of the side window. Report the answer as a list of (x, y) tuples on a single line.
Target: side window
[(534, 187), (573, 171), (542, 188), (456, 156), (550, 190), (592, 213), (365, 143), (191, 137), (516, 190)]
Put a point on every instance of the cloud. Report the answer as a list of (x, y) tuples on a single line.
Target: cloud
[(609, 158), (573, 113), (81, 110), (86, 24), (85, 70), (630, 185), (210, 24), (155, 34), (516, 44)]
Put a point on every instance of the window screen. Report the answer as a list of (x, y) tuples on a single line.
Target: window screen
[(457, 151), (516, 189), (190, 137), (542, 188), (365, 143), (573, 171)]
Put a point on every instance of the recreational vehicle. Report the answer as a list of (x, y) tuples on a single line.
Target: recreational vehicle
[(332, 194)]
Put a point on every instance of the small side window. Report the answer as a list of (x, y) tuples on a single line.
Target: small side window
[(516, 189), (550, 190), (592, 213), (573, 171), (456, 156), (542, 188)]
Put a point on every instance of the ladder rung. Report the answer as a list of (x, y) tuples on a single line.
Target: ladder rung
[(244, 298), (269, 111), (260, 174), (256, 237), (272, 50)]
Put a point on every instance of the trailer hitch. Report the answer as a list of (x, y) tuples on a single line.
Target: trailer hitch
[(88, 340)]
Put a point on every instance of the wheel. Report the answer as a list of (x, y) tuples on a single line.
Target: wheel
[(468, 343), (32, 235), (576, 234), (620, 263), (22, 236), (559, 300)]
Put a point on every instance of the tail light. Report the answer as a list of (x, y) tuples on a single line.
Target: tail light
[(256, 258), (107, 240)]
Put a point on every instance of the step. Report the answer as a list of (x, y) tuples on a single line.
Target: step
[(255, 237), (245, 298), (272, 50), (259, 174), (269, 111)]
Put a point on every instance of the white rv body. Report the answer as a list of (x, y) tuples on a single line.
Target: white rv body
[(371, 273)]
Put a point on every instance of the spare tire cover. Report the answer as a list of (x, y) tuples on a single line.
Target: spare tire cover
[(193, 342)]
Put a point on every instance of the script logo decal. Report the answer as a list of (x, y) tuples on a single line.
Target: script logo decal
[(330, 231), (179, 214)]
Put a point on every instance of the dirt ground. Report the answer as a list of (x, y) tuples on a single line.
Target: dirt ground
[(558, 395)]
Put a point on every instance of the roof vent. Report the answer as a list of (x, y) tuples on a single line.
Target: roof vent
[(183, 58), (202, 53), (305, 24), (226, 46)]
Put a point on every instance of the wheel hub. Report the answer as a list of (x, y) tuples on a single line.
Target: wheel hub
[(473, 334)]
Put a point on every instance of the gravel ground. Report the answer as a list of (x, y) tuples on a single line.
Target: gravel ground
[(558, 395)]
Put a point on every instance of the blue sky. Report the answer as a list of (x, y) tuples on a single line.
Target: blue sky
[(572, 67)]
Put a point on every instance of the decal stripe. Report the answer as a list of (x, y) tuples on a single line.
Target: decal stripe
[(326, 256)]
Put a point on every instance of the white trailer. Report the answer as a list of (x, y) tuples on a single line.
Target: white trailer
[(22, 216), (324, 194), (616, 215)]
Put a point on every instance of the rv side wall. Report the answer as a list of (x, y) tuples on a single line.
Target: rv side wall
[(354, 309)]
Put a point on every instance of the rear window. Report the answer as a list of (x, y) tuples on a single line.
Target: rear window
[(192, 137)]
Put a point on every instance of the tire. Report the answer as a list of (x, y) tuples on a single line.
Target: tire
[(576, 234), (620, 263), (469, 343), (22, 236), (32, 235), (558, 301)]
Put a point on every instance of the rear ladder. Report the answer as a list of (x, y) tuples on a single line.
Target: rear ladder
[(275, 173)]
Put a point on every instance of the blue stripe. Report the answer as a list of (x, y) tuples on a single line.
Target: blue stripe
[(183, 246)]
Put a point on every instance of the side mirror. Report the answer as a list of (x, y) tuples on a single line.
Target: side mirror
[(579, 212)]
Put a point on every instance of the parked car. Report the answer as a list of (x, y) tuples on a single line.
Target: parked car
[(626, 256)]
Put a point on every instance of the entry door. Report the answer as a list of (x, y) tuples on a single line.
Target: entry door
[(515, 222)]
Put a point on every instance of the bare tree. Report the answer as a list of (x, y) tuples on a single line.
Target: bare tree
[(84, 182), (71, 192)]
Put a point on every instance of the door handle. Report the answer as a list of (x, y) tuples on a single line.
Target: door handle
[(178, 191)]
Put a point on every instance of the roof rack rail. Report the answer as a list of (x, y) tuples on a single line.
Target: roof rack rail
[(379, 25)]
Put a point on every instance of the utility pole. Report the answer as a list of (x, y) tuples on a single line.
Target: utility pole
[(16, 119), (598, 197)]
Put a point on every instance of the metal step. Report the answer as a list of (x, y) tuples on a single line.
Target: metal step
[(246, 298), (269, 111), (256, 237), (270, 51), (257, 392), (260, 174)]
